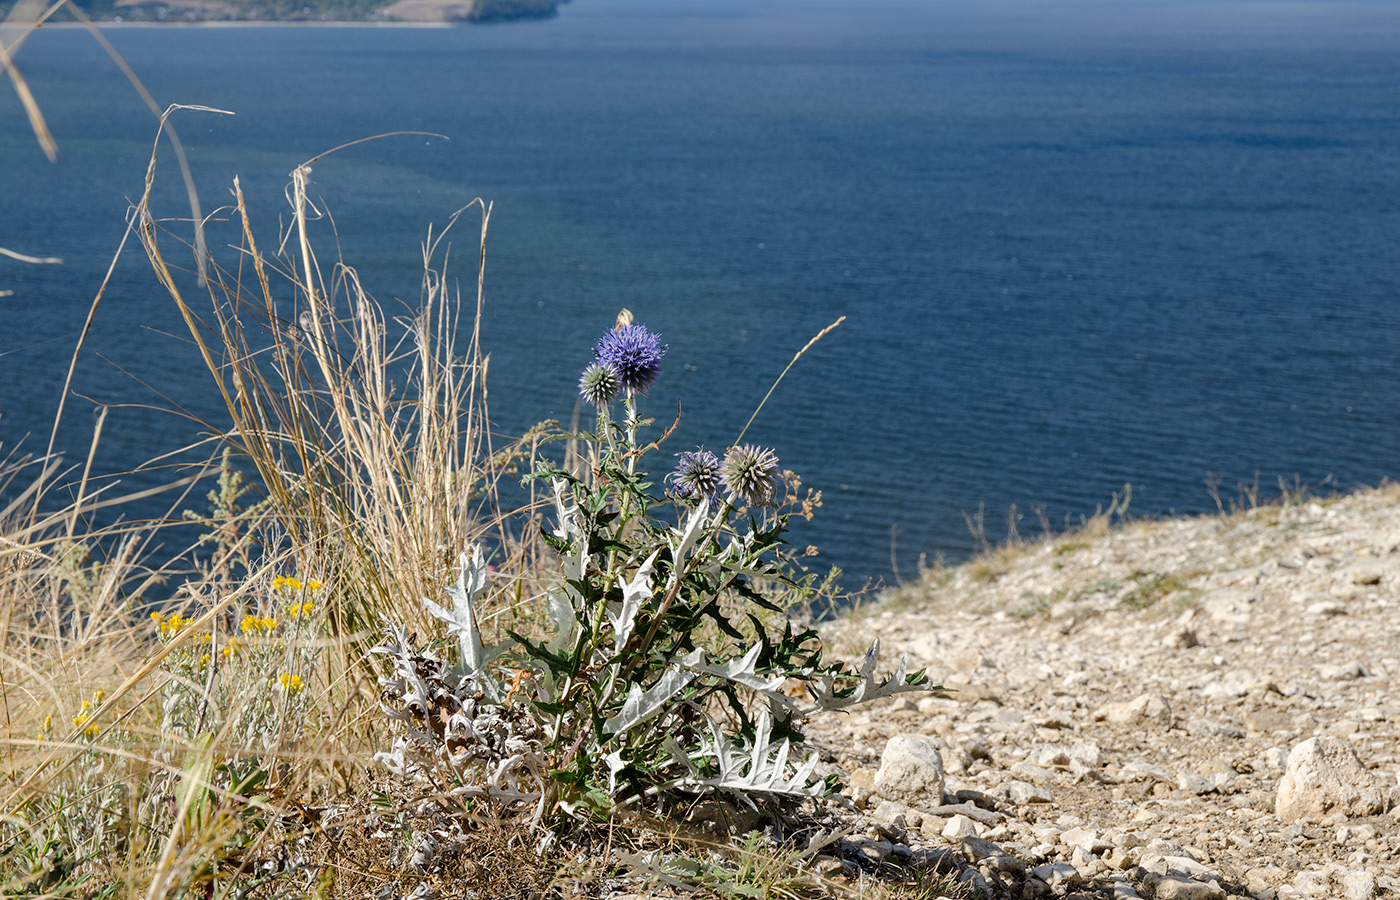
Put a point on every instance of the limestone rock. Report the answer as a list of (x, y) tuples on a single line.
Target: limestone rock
[(1086, 839), (976, 849), (960, 827), (1324, 777), (1367, 575), (896, 813), (1356, 884), (1150, 708), (1056, 874), (911, 772), (1020, 793), (1174, 887)]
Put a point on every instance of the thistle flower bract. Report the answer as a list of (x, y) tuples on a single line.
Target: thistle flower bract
[(748, 473), (634, 353), (696, 476), (599, 383)]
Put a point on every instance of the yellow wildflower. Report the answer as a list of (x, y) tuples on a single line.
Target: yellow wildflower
[(295, 585), (169, 626), (255, 624), (301, 609), (84, 718), (232, 647), (290, 683)]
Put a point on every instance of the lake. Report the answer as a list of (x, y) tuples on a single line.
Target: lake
[(1078, 245)]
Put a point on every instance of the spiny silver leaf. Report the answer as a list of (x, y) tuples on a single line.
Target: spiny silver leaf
[(642, 705)]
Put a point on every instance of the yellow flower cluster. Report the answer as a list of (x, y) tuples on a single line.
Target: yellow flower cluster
[(254, 625), (297, 610), (290, 683), (294, 585), (232, 647), (82, 719), (170, 625)]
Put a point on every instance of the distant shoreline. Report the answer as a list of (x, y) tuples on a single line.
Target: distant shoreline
[(235, 13), (249, 23)]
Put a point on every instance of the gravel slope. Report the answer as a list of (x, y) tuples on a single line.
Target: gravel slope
[(1127, 700)]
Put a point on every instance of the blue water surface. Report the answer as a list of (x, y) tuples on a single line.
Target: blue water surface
[(1077, 244)]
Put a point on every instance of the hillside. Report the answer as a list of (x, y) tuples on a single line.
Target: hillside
[(1192, 708)]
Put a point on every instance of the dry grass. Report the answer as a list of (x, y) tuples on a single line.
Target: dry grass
[(157, 757)]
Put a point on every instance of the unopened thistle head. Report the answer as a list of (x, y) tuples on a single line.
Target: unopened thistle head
[(634, 353), (696, 476), (599, 384), (748, 473)]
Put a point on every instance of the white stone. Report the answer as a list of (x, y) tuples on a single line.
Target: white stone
[(1048, 755), (1356, 884), (1193, 783), (1086, 754), (1019, 793), (1191, 867), (911, 772), (1343, 672), (1312, 884), (1150, 708), (1325, 777), (1086, 839), (896, 813), (960, 827), (1056, 874), (1174, 887), (1028, 772)]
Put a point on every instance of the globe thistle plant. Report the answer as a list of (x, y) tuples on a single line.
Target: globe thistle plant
[(599, 384), (696, 476), (634, 353), (664, 675), (748, 473)]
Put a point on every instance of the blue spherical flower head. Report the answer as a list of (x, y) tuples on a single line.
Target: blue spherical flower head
[(749, 473), (636, 355), (696, 476), (599, 384)]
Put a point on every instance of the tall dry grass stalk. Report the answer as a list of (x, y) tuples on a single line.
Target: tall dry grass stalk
[(367, 433)]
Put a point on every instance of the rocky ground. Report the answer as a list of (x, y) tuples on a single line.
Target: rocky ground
[(1133, 711)]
